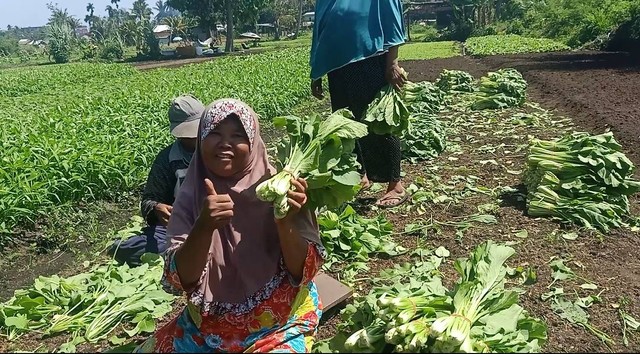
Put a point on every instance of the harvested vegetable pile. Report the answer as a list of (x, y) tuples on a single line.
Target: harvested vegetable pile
[(580, 178), (350, 238), (455, 81), (501, 89), (320, 150), (423, 97), (421, 315), (90, 305), (425, 139)]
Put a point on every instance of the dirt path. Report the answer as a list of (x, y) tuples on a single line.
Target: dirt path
[(176, 63)]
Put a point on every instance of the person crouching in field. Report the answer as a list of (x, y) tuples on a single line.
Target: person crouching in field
[(166, 175), (249, 278)]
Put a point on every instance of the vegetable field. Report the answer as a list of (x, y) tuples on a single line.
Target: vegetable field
[(93, 130), (511, 44), (520, 235), (429, 50)]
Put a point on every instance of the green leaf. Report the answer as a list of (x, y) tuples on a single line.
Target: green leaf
[(19, 322), (522, 234), (442, 252), (553, 293), (570, 235), (505, 320), (561, 271), (117, 340)]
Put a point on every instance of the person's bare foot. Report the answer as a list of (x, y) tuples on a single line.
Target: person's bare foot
[(395, 196)]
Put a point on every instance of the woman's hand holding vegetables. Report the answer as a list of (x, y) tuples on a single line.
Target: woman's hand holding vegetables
[(217, 210), (395, 76), (296, 198)]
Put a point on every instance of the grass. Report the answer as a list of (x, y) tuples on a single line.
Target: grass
[(429, 50)]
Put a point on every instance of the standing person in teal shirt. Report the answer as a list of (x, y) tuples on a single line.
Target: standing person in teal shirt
[(355, 43)]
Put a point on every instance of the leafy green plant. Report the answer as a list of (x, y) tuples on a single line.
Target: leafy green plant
[(511, 44), (418, 314), (580, 178), (501, 89), (321, 151), (629, 323), (61, 42), (388, 113), (90, 305), (112, 48), (425, 139), (455, 81), (349, 237)]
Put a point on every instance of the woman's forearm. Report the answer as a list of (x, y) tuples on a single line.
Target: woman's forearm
[(191, 258), (392, 56), (294, 249)]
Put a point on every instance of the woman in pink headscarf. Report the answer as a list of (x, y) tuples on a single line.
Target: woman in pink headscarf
[(248, 277)]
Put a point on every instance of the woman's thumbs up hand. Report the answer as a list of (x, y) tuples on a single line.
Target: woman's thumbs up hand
[(217, 209)]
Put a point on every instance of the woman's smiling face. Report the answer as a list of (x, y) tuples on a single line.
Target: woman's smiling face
[(226, 150)]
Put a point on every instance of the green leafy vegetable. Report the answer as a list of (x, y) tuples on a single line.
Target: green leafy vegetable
[(320, 150), (580, 178), (387, 114), (455, 81), (424, 140), (90, 305), (423, 97), (418, 314), (501, 89), (511, 44), (575, 314), (349, 237)]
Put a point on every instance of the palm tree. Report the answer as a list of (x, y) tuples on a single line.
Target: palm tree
[(141, 10), (60, 16), (162, 10), (180, 25), (89, 19)]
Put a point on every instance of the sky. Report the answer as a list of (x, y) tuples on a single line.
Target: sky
[(31, 13)]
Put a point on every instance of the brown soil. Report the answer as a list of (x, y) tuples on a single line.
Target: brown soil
[(597, 91)]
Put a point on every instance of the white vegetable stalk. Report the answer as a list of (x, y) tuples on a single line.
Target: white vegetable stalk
[(276, 188)]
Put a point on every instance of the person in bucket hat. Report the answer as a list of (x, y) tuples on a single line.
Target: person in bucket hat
[(166, 175)]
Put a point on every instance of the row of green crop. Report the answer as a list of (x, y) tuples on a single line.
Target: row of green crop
[(97, 138), (511, 44), (46, 79)]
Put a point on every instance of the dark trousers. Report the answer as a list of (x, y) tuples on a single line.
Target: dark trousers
[(151, 240), (355, 86)]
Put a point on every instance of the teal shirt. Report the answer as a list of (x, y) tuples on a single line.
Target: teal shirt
[(346, 31)]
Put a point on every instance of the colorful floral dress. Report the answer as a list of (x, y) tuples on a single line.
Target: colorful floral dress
[(282, 317)]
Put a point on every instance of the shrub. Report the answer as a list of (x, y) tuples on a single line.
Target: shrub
[(61, 41)]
